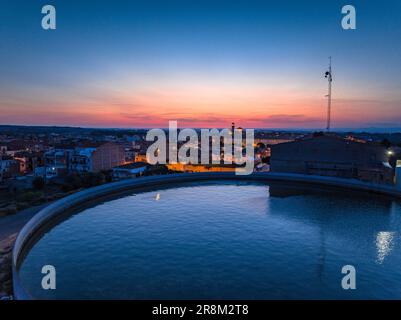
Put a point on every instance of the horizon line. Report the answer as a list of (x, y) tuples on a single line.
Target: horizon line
[(381, 130)]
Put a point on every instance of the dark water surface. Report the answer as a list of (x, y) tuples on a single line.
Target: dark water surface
[(223, 241)]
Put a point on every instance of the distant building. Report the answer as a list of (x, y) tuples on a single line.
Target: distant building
[(29, 161), (272, 141), (94, 159), (262, 167), (140, 157), (14, 146), (130, 170), (82, 160), (330, 155), (9, 168), (57, 162), (130, 154)]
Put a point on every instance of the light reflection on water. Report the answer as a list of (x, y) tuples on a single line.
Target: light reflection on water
[(231, 240), (384, 244)]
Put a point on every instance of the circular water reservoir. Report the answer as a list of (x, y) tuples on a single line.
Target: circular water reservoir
[(222, 240)]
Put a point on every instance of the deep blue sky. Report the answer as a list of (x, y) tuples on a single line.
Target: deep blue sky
[(140, 63)]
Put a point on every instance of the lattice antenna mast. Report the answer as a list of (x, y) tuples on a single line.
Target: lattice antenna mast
[(329, 76)]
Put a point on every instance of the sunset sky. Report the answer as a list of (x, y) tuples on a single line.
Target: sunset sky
[(202, 63)]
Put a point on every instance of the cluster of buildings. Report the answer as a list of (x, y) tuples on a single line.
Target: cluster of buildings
[(61, 161), (53, 155), (93, 158)]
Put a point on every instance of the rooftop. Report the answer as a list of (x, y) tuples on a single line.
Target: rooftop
[(133, 165)]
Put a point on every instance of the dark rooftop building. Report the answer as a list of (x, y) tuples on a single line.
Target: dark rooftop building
[(331, 155), (130, 170)]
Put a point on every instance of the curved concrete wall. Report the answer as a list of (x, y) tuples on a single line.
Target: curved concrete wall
[(57, 208)]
